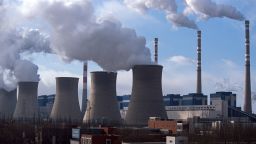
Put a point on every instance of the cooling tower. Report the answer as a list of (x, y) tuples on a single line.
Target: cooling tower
[(8, 102), (102, 106), (147, 98), (26, 107), (66, 105)]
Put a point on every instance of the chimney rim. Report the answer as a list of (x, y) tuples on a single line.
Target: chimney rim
[(147, 65), (66, 78)]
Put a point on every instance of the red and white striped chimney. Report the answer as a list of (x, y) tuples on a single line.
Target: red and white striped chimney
[(84, 94)]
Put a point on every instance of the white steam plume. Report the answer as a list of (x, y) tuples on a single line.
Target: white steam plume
[(168, 6), (208, 9), (80, 36), (26, 71), (13, 43)]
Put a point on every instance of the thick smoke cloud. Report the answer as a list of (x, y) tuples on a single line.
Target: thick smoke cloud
[(26, 71), (13, 43), (81, 36), (78, 36), (208, 9), (168, 6)]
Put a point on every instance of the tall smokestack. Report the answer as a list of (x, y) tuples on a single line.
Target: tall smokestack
[(26, 107), (156, 50), (198, 68), (103, 106), (84, 94), (247, 94), (66, 104), (147, 97)]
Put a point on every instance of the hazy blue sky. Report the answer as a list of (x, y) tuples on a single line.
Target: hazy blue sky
[(222, 50)]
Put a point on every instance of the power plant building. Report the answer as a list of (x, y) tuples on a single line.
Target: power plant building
[(102, 106), (147, 98), (26, 107), (66, 104), (8, 100), (45, 104)]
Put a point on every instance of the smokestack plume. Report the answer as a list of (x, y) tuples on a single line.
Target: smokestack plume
[(147, 97), (8, 102), (198, 68), (26, 107), (156, 50), (66, 105), (102, 104), (84, 94), (247, 94)]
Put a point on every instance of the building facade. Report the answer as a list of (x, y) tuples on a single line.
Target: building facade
[(45, 103)]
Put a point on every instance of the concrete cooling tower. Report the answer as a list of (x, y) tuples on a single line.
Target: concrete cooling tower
[(26, 107), (102, 106), (147, 98), (66, 104), (8, 102)]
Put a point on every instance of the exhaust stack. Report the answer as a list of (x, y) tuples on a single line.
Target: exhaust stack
[(156, 50), (26, 107), (247, 95), (198, 68), (66, 105), (147, 97), (102, 106), (84, 94)]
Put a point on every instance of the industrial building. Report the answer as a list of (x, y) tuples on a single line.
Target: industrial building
[(45, 104)]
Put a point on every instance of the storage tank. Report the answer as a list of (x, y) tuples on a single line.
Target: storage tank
[(26, 107), (66, 104), (147, 98), (8, 100), (102, 107)]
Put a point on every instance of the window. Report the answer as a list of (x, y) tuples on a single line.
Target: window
[(108, 141)]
